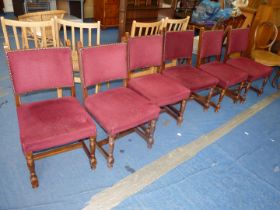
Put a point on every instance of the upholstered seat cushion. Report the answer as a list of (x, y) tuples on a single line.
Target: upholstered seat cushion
[(120, 109), (227, 74), (159, 89), (192, 78), (254, 69), (54, 122)]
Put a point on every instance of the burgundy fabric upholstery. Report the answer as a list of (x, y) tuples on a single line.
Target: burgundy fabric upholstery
[(227, 74), (192, 78), (50, 68), (254, 69), (53, 123), (104, 63), (120, 109), (160, 90), (145, 51), (239, 39), (178, 45), (211, 43)]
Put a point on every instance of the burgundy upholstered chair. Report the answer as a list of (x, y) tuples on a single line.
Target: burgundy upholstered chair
[(210, 45), (147, 51), (52, 126), (238, 40), (179, 46), (119, 110)]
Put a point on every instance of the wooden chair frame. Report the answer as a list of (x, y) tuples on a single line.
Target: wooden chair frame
[(176, 24), (71, 41), (234, 94), (146, 28), (32, 156)]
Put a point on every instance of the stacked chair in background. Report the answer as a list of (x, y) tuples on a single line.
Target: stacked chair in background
[(133, 107)]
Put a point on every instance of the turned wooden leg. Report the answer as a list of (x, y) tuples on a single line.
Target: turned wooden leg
[(262, 87), (222, 94), (207, 104), (31, 167), (246, 89), (181, 112), (110, 160), (92, 145), (238, 96), (151, 130)]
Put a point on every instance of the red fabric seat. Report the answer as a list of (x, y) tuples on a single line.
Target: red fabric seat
[(159, 89), (120, 109), (54, 122), (255, 70), (226, 74), (190, 77)]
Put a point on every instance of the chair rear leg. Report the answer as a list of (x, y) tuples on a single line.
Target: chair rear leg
[(110, 159), (181, 112), (222, 94), (151, 130), (31, 167), (92, 145)]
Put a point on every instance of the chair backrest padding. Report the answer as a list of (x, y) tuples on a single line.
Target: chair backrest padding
[(211, 43), (178, 45), (238, 40), (103, 63), (145, 51), (40, 69)]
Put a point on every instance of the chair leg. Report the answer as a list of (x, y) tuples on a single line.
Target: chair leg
[(222, 94), (246, 89), (181, 112), (207, 104), (151, 130), (110, 160), (92, 145), (31, 167), (239, 97), (262, 87), (275, 79)]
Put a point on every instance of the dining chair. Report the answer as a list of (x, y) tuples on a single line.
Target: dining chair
[(50, 126), (119, 110), (147, 51), (238, 40), (208, 60), (178, 46)]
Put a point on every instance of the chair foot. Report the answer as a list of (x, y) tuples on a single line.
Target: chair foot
[(30, 164), (110, 159), (92, 144)]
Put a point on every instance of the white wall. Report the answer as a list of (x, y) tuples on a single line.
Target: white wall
[(8, 6)]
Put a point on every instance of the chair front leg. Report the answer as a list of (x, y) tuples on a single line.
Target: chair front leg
[(151, 130), (110, 159), (31, 167), (239, 97), (207, 104), (92, 145), (262, 87), (222, 94), (246, 89), (181, 112)]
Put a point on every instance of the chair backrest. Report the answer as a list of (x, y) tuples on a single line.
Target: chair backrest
[(238, 40), (70, 39), (27, 34), (145, 51), (178, 45), (103, 63), (40, 69), (265, 42), (176, 24), (210, 44), (146, 29), (42, 16)]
